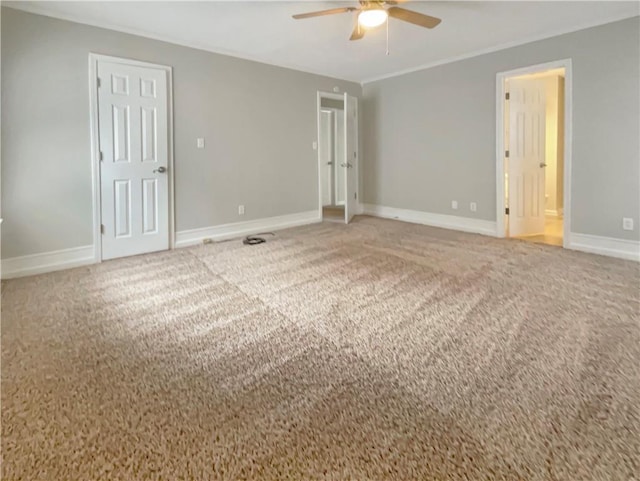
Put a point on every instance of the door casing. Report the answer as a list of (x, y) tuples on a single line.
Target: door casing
[(94, 59), (501, 141)]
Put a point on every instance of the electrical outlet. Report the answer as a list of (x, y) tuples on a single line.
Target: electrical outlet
[(241, 210), (473, 207), (454, 204), (200, 143), (314, 145), (627, 223)]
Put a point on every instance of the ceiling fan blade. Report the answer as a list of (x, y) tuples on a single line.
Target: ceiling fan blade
[(358, 32), (324, 12), (413, 17)]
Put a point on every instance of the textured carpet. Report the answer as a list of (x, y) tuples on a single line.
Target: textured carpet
[(375, 351)]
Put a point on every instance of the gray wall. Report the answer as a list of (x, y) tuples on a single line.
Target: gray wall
[(429, 136), (332, 103), (258, 121)]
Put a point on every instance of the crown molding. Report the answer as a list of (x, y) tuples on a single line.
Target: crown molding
[(497, 48)]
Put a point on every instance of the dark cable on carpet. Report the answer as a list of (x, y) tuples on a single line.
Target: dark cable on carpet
[(252, 240)]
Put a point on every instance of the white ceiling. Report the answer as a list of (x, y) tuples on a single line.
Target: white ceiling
[(264, 30)]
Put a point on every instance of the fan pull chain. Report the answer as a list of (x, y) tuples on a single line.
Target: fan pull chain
[(387, 36)]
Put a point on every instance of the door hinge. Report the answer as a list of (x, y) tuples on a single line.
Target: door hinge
[(355, 195), (506, 154), (506, 96), (506, 211), (354, 155), (100, 156), (102, 229), (99, 82)]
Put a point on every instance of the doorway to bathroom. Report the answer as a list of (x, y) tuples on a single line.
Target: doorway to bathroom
[(533, 196)]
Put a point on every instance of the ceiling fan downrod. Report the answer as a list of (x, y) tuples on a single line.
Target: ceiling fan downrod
[(387, 53)]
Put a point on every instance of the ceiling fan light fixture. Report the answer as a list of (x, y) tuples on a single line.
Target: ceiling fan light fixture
[(372, 17)]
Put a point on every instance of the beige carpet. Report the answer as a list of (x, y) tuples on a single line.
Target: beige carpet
[(376, 351)]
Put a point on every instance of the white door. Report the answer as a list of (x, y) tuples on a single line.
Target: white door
[(351, 156), (339, 157), (133, 130), (527, 107), (326, 156)]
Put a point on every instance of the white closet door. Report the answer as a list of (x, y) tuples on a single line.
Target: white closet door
[(133, 129)]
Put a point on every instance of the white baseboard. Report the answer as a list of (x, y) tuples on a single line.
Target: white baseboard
[(238, 229), (553, 213), (47, 262), (606, 246), (80, 256), (465, 224)]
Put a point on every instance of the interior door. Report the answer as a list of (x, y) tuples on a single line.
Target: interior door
[(351, 156), (339, 157), (326, 156), (133, 130), (527, 111)]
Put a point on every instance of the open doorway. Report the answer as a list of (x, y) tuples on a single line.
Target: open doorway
[(337, 156), (332, 153), (533, 175)]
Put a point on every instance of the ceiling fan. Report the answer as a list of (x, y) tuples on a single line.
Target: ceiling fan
[(373, 13)]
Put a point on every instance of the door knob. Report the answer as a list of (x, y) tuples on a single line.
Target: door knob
[(160, 169), (542, 164), (329, 163), (347, 165)]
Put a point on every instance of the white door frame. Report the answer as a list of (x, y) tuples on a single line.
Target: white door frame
[(568, 141), (326, 95), (95, 144)]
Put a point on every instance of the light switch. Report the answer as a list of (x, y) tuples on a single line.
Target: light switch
[(200, 143), (314, 145)]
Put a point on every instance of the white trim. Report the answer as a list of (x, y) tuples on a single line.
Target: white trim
[(497, 48), (239, 229), (319, 96), (465, 224), (95, 144), (95, 157), (606, 246), (552, 213), (568, 141), (47, 262)]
